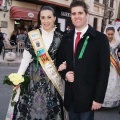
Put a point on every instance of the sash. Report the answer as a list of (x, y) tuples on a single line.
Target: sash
[(114, 63), (45, 60)]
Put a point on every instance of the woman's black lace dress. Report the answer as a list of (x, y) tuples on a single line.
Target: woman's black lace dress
[(43, 101)]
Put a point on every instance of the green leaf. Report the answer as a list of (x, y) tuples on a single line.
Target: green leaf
[(14, 94), (25, 84), (7, 81), (12, 103)]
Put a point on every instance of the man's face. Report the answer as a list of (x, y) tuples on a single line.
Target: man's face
[(79, 17)]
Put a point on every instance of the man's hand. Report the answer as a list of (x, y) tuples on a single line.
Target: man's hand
[(96, 105), (70, 76)]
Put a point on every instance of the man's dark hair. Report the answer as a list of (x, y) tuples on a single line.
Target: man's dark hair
[(80, 3), (110, 28)]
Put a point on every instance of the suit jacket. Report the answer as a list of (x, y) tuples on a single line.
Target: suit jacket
[(90, 73)]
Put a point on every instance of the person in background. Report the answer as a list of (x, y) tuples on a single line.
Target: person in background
[(43, 101), (21, 36), (25, 33), (118, 31), (119, 40), (1, 41), (112, 96), (87, 55), (4, 36), (67, 29), (13, 38), (18, 32)]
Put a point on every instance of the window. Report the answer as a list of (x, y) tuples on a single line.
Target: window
[(95, 23), (104, 1), (111, 3)]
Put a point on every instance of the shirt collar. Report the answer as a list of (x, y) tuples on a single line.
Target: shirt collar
[(43, 31), (83, 30)]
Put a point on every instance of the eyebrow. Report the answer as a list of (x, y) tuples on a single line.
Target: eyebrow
[(77, 12)]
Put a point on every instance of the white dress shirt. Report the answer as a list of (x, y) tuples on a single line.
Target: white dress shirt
[(47, 37), (81, 35)]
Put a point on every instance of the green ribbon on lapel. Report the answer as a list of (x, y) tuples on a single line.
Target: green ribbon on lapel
[(83, 48)]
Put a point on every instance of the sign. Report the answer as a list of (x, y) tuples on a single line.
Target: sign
[(1, 2), (4, 24), (31, 15), (65, 14)]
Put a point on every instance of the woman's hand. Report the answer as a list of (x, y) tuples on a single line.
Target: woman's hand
[(62, 66), (15, 87)]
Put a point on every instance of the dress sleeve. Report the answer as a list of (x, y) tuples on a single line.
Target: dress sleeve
[(25, 62), (28, 56)]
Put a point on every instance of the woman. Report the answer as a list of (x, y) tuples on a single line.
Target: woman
[(118, 30), (44, 101), (13, 38), (1, 41), (112, 97)]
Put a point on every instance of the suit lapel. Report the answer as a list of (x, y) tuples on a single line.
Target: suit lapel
[(71, 41)]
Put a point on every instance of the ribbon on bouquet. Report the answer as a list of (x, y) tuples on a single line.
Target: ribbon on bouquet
[(10, 111)]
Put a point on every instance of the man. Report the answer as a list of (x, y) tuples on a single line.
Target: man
[(67, 29), (87, 66), (1, 41)]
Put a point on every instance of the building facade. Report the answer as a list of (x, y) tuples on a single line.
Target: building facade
[(23, 13), (97, 9), (16, 14)]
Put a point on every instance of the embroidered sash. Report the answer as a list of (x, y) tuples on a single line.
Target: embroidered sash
[(45, 60), (114, 63)]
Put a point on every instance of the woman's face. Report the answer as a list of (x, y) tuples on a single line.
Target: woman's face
[(110, 35), (47, 20), (119, 32)]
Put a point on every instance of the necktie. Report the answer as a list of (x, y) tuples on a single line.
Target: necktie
[(77, 40)]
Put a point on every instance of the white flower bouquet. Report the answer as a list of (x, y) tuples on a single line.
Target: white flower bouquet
[(16, 80)]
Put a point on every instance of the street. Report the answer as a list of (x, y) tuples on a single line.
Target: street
[(5, 91)]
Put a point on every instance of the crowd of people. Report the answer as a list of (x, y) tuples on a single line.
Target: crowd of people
[(17, 36), (87, 60)]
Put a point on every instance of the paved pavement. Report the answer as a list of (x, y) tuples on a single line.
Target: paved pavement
[(6, 67), (5, 90)]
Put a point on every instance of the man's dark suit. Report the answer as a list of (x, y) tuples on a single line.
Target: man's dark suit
[(90, 73)]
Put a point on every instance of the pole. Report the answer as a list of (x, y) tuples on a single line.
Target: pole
[(109, 16), (104, 15)]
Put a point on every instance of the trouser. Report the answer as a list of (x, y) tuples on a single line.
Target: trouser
[(0, 49), (80, 116)]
